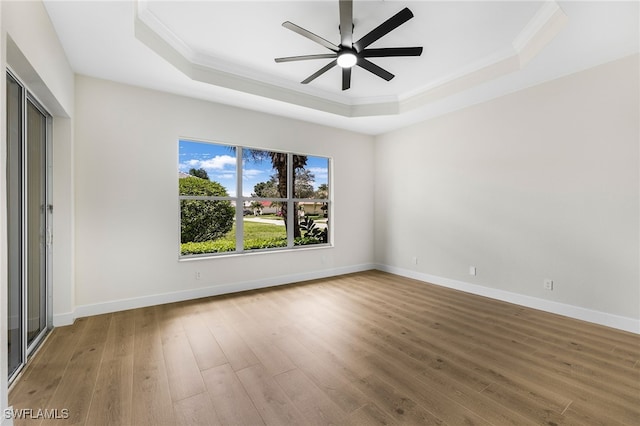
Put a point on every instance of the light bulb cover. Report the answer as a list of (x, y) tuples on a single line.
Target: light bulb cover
[(347, 59)]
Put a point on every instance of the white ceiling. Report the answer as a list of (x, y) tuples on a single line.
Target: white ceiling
[(223, 51)]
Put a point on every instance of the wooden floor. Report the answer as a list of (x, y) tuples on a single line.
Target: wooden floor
[(362, 349)]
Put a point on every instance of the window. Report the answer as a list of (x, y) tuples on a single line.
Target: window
[(238, 199)]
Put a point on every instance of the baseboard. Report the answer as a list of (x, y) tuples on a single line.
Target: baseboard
[(216, 290), (60, 320), (576, 312)]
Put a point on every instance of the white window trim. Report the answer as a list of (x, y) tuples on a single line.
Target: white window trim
[(240, 200)]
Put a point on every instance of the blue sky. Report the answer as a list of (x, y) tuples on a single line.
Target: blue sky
[(220, 163)]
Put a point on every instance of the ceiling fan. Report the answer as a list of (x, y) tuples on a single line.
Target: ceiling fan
[(350, 53)]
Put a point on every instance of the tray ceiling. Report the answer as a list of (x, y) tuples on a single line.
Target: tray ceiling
[(224, 51)]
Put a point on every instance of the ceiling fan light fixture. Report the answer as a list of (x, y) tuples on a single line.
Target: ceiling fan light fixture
[(348, 53), (347, 59)]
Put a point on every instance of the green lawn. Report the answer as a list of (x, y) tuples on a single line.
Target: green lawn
[(255, 230)]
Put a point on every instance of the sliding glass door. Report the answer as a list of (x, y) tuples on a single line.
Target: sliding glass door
[(28, 223), (36, 241)]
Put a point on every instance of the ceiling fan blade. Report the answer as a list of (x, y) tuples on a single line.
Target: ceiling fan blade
[(306, 57), (391, 51), (373, 68), (387, 26), (311, 36), (320, 72), (346, 78), (346, 23)]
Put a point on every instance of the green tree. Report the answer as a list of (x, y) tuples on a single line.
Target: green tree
[(201, 173), (266, 189), (204, 220), (304, 183), (322, 191)]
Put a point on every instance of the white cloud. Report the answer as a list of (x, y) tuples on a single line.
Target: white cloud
[(251, 173), (219, 162)]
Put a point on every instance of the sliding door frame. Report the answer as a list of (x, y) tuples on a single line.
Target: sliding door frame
[(46, 239)]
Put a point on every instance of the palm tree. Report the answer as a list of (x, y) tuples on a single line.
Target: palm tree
[(256, 206), (279, 163)]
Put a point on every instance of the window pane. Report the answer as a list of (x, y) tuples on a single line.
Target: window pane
[(311, 177), (265, 231), (314, 228), (209, 162), (264, 174), (207, 226), (36, 222), (260, 207)]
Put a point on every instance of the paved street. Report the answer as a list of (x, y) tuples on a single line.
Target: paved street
[(278, 222)]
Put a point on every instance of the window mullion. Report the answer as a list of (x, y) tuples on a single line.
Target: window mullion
[(239, 203), (290, 204)]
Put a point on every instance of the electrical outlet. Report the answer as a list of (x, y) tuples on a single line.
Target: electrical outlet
[(548, 284), (197, 275), (472, 270), (414, 260)]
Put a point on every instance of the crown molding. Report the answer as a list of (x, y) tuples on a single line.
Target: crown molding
[(543, 27)]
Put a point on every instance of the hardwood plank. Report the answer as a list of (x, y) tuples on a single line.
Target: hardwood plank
[(111, 401), (204, 346), (229, 398), (236, 351), (314, 405), (368, 415), (270, 401), (260, 340), (183, 372), (331, 354), (151, 395), (400, 407), (195, 410)]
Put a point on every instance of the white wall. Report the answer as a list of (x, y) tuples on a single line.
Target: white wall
[(30, 47), (127, 216), (542, 183)]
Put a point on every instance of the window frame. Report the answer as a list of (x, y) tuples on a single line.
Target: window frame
[(240, 200)]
